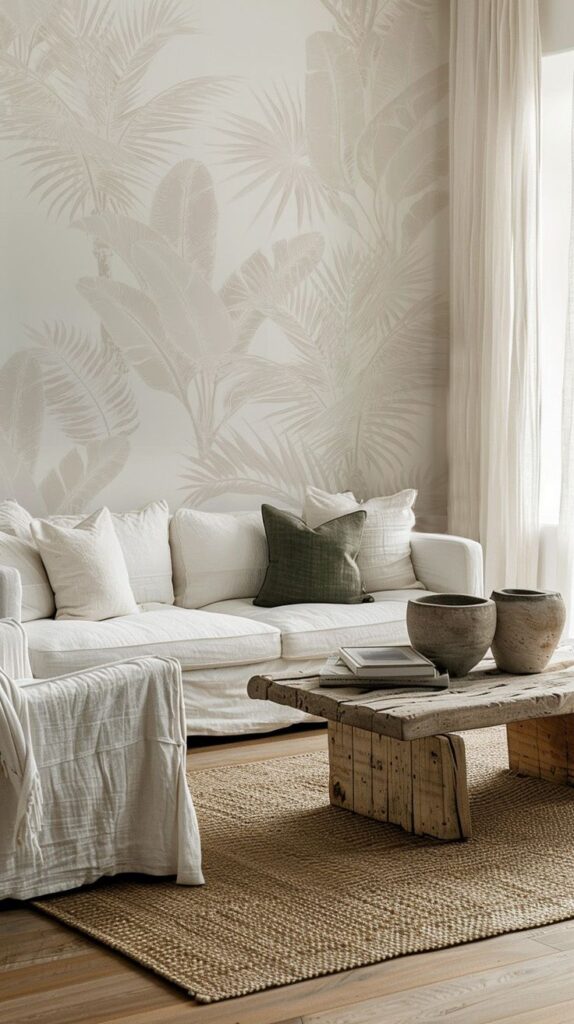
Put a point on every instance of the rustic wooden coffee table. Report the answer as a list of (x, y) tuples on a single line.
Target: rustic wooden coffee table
[(397, 755)]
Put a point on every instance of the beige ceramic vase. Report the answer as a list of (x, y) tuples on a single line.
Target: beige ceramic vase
[(453, 630), (529, 625)]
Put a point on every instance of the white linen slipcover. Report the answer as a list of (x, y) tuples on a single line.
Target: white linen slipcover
[(14, 519), (385, 554), (216, 701), (143, 534), (10, 593), (144, 539), (16, 752), (198, 639), (317, 630), (86, 568), (110, 747), (448, 564), (18, 764), (37, 600), (217, 556), (14, 650)]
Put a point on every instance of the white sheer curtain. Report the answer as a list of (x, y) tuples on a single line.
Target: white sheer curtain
[(494, 417), (565, 539)]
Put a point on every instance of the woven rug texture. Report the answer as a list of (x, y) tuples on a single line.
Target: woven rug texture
[(297, 889)]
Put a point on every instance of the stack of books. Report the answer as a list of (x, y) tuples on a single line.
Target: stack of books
[(378, 667)]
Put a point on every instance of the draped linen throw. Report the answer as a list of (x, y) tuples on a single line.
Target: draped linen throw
[(494, 415), (17, 759), (108, 747), (19, 765)]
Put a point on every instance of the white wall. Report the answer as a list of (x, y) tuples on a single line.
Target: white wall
[(224, 248), (556, 25)]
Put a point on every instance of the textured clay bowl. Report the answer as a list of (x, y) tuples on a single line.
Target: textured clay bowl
[(529, 624), (453, 630)]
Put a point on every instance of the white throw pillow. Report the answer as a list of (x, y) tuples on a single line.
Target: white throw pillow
[(144, 539), (217, 556), (37, 596), (385, 555), (14, 519), (86, 568)]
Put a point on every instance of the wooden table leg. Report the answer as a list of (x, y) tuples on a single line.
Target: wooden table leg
[(417, 784), (543, 748)]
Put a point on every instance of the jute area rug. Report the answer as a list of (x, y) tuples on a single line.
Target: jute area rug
[(296, 888)]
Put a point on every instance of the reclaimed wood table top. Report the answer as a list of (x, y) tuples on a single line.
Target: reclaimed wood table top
[(485, 697)]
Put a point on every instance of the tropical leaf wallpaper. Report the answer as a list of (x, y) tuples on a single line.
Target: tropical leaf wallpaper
[(224, 238)]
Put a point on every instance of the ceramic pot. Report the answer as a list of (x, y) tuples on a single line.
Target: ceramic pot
[(453, 630), (528, 628)]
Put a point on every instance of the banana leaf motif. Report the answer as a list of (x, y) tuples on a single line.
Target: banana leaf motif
[(268, 280)]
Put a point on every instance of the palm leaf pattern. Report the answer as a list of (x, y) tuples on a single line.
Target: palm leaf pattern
[(85, 384), (83, 473), (248, 465), (88, 136), (260, 286), (22, 407), (274, 153), (334, 107), (313, 351), (184, 211)]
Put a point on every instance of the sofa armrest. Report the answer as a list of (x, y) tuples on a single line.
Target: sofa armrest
[(14, 650), (10, 593), (448, 564)]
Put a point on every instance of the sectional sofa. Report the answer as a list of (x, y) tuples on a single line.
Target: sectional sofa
[(194, 576)]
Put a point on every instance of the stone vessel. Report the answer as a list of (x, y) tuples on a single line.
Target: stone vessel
[(529, 627), (453, 630)]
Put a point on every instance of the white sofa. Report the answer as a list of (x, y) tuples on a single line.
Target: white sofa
[(222, 644)]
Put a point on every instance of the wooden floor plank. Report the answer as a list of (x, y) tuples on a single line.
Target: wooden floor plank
[(486, 997), (92, 963), (350, 987), (92, 1001), (28, 937), (216, 755), (53, 975), (556, 936), (559, 1013)]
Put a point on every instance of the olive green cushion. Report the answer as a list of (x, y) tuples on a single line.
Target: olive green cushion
[(307, 565)]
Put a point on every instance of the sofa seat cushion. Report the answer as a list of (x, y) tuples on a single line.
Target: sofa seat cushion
[(317, 630), (198, 639)]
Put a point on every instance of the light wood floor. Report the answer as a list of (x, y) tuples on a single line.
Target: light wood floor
[(52, 975)]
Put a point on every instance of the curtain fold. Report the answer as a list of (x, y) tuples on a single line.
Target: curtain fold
[(565, 533), (494, 405)]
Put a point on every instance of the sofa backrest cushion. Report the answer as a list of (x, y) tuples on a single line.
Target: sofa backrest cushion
[(14, 519), (144, 539), (86, 568), (37, 594), (385, 555), (216, 556)]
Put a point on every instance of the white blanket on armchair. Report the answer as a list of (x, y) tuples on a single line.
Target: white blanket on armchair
[(109, 745), (18, 763)]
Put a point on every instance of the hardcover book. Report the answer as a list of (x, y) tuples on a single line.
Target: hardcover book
[(386, 662), (336, 673)]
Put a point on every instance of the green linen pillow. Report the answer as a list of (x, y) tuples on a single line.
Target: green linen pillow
[(307, 565)]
